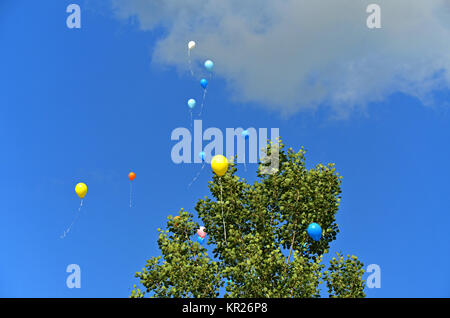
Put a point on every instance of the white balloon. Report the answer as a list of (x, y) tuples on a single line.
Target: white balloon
[(202, 228), (191, 45)]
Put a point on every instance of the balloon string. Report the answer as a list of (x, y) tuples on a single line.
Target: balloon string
[(189, 60), (203, 101), (223, 219), (190, 112), (197, 175), (245, 166), (73, 221), (131, 186)]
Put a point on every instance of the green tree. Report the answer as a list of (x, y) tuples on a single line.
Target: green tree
[(259, 239)]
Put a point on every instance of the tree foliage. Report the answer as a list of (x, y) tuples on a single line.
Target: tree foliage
[(258, 237)]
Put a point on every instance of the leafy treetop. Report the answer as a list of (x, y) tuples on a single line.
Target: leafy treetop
[(259, 239)]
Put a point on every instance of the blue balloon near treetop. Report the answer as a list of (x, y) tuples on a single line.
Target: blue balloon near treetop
[(203, 83), (314, 231)]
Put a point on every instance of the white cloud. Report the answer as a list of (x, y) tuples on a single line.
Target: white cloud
[(289, 55)]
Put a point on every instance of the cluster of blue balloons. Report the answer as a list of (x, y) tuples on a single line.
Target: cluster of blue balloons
[(209, 65)]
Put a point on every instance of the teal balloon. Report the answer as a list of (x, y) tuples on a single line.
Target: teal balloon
[(245, 134), (202, 155), (191, 103), (200, 239), (209, 65), (314, 231), (203, 83)]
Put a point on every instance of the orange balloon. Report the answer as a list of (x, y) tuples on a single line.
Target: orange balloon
[(131, 175)]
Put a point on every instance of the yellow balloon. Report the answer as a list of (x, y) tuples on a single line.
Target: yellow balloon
[(219, 165), (81, 190)]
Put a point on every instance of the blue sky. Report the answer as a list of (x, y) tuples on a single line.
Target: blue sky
[(89, 106)]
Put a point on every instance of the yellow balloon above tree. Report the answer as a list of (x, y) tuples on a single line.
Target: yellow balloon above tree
[(219, 165)]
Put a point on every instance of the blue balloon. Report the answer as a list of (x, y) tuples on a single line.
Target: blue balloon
[(202, 155), (200, 239), (245, 134), (204, 83), (191, 103), (314, 231), (209, 65)]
